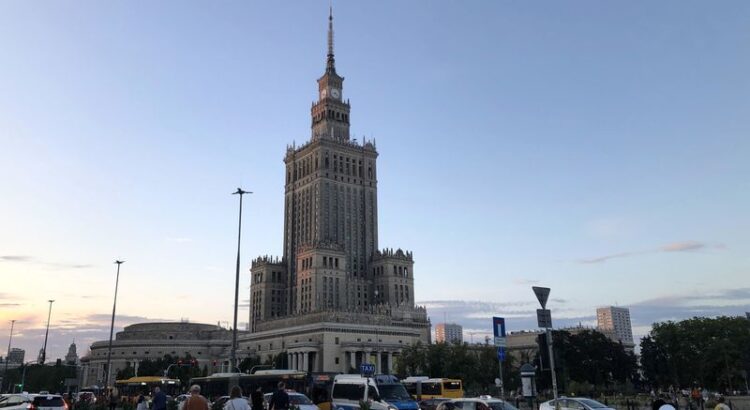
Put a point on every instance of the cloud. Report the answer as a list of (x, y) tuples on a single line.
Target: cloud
[(683, 246), (37, 261), (524, 281), (15, 258)]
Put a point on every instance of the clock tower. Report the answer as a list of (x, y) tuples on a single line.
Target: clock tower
[(330, 114)]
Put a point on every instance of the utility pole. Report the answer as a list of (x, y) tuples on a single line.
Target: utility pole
[(46, 334), (233, 352), (5, 373), (112, 327)]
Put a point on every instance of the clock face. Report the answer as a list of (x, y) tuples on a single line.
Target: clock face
[(335, 93)]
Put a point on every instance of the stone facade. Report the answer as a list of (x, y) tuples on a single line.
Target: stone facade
[(138, 342), (331, 263)]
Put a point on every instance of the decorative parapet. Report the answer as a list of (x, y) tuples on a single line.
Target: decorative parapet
[(391, 254), (293, 149), (267, 260), (381, 315), (322, 245)]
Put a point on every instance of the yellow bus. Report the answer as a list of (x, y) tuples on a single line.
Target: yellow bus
[(423, 388)]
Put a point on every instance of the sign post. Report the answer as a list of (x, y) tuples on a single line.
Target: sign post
[(498, 327), (544, 320)]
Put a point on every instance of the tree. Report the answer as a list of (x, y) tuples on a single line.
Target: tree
[(710, 352)]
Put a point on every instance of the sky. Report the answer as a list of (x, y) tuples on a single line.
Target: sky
[(597, 148)]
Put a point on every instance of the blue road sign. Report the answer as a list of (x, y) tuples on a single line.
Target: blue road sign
[(367, 369), (501, 353), (498, 324)]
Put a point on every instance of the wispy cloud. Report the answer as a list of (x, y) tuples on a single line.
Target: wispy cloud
[(37, 261), (525, 281), (683, 246)]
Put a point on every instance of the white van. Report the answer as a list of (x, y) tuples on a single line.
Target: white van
[(349, 389)]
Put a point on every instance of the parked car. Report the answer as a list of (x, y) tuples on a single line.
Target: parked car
[(297, 399), (575, 403), (18, 401), (479, 403), (49, 402)]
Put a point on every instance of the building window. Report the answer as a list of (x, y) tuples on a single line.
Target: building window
[(337, 340), (337, 360)]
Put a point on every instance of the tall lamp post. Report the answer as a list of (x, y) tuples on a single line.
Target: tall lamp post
[(5, 373), (112, 327), (233, 352), (46, 334)]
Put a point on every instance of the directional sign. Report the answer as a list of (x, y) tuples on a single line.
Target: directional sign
[(367, 369), (501, 354), (542, 294), (498, 328), (544, 318)]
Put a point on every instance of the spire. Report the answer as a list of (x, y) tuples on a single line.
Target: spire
[(331, 64)]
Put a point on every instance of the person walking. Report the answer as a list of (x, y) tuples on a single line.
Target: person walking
[(236, 401), (279, 399), (113, 399), (195, 401), (142, 403), (159, 401), (256, 398)]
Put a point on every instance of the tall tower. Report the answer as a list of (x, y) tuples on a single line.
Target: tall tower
[(330, 115), (331, 259)]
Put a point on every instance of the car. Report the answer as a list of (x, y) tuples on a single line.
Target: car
[(396, 395), (431, 404), (478, 403), (221, 401), (85, 397), (349, 390), (296, 399), (574, 403), (17, 401), (49, 402)]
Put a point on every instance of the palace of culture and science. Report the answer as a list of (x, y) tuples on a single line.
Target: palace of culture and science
[(333, 300)]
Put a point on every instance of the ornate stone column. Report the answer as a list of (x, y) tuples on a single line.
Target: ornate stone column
[(379, 362)]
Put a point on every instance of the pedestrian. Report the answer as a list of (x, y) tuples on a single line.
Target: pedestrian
[(236, 401), (142, 403), (159, 401), (256, 398), (196, 401), (721, 405), (279, 399), (113, 399)]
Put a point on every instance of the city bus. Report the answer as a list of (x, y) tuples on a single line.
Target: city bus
[(423, 388), (219, 384), (130, 389)]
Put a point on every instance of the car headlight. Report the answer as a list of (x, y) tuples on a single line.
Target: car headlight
[(391, 408)]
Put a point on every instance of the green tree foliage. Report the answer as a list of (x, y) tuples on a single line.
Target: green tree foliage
[(39, 377), (588, 361), (476, 365), (183, 368), (710, 352)]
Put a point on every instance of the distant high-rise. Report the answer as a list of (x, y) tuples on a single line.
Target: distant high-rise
[(615, 321), (449, 333), (16, 355)]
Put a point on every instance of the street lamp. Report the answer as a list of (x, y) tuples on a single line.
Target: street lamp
[(5, 374), (46, 334), (233, 352), (112, 326)]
